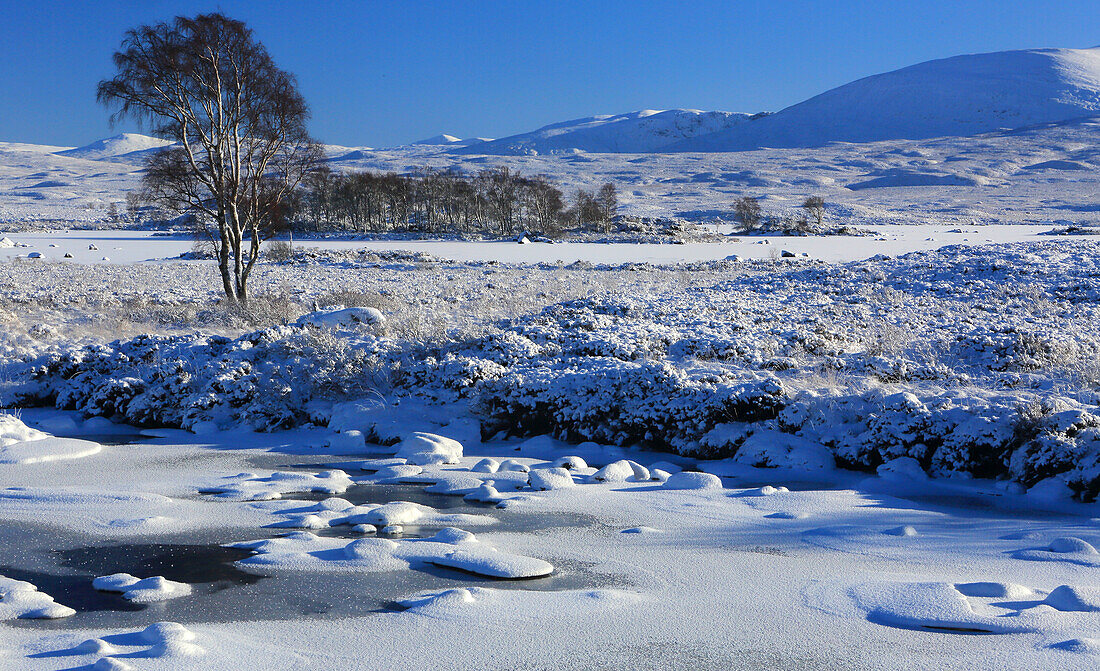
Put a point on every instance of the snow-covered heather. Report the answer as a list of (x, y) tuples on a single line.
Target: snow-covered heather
[(918, 372), (976, 361)]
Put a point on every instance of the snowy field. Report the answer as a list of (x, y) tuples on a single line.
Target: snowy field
[(123, 246), (881, 463)]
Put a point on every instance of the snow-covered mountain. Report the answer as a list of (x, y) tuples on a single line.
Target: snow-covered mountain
[(441, 139), (636, 132), (959, 96), (115, 146)]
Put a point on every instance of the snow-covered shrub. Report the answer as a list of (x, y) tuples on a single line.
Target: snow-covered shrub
[(622, 402), (939, 357), (266, 379)]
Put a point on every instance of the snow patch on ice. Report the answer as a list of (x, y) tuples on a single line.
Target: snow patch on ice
[(148, 590)]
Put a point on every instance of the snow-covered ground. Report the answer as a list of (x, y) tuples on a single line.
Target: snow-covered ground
[(125, 246), (1042, 174), (885, 573), (972, 364)]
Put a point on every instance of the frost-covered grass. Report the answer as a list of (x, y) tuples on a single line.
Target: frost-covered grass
[(972, 361)]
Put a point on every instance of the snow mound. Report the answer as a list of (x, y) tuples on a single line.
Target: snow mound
[(932, 606), (1071, 545), (343, 318), (622, 471), (634, 132), (693, 480), (772, 449), (14, 431), (445, 599), (170, 639), (486, 493), (149, 590), (423, 448), (958, 96), (22, 600), (95, 646), (48, 449), (114, 146), (550, 478), (494, 564), (486, 465), (20, 444), (570, 463), (1074, 599)]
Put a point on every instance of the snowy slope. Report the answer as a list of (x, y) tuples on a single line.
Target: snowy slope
[(963, 95), (116, 146), (634, 132), (441, 139)]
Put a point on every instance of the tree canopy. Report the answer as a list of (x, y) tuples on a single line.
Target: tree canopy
[(238, 124)]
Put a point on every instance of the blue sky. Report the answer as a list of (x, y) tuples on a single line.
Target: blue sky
[(384, 73)]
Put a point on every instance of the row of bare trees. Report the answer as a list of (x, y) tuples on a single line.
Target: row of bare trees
[(495, 201), (748, 212)]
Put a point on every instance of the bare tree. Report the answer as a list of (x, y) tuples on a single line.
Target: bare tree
[(608, 201), (501, 189), (748, 213), (239, 127), (543, 202), (815, 207), (586, 210)]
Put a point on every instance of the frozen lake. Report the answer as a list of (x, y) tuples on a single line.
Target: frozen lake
[(113, 246)]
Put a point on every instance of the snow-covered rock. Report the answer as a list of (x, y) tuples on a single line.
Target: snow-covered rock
[(543, 479), (22, 600), (343, 318), (148, 590), (428, 448), (493, 564), (693, 480)]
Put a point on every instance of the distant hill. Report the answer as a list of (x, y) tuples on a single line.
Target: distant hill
[(115, 146), (636, 132), (442, 139), (959, 96)]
